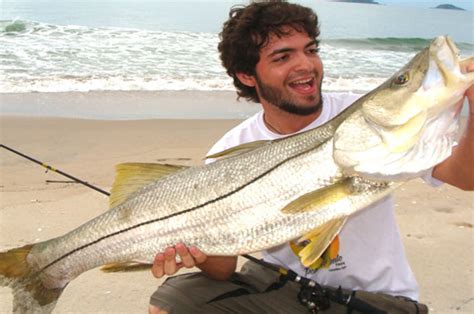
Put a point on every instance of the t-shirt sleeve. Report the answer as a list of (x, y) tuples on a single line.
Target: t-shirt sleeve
[(428, 178), (337, 102), (351, 98), (236, 136)]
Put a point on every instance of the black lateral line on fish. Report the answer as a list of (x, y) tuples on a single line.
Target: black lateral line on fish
[(181, 212)]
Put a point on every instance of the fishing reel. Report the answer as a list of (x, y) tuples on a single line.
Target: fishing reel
[(317, 298), (314, 297)]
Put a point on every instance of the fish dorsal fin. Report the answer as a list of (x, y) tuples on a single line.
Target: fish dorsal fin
[(237, 150), (130, 177), (320, 198), (125, 267), (320, 249)]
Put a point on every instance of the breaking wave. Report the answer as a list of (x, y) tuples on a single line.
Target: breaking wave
[(42, 57), (391, 44)]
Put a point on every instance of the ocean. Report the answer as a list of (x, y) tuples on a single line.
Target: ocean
[(149, 45)]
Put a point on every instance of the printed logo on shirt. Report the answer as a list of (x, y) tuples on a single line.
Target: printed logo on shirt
[(325, 260), (336, 264)]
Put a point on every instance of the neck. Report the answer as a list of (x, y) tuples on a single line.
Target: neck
[(282, 122)]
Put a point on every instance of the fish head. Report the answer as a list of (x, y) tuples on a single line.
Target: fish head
[(428, 84), (409, 123)]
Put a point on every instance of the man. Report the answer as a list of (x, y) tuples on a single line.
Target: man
[(271, 51)]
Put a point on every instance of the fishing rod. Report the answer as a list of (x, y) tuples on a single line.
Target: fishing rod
[(48, 167), (311, 294)]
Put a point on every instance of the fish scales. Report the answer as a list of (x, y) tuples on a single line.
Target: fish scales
[(204, 199)]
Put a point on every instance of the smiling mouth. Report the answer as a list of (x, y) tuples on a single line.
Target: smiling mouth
[(304, 86)]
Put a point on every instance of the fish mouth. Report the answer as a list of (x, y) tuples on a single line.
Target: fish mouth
[(411, 123), (441, 72), (305, 85), (443, 63)]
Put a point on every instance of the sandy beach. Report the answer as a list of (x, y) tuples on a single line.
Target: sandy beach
[(128, 105), (436, 224)]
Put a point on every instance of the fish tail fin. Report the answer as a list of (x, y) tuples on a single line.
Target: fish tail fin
[(29, 293)]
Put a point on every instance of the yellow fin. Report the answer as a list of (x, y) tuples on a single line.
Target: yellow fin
[(331, 226), (13, 262), (130, 177), (125, 267), (320, 240), (331, 252), (23, 278), (240, 149), (319, 198)]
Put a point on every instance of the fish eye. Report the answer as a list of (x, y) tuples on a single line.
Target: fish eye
[(402, 79)]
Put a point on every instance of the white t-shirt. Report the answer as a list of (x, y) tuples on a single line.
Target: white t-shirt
[(371, 254)]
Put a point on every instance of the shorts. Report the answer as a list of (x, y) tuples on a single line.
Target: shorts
[(248, 292)]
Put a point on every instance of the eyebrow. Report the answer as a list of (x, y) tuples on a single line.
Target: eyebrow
[(283, 50)]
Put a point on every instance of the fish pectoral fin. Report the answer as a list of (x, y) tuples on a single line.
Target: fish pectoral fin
[(333, 226), (237, 150), (322, 244), (321, 237), (320, 198), (130, 177), (125, 267)]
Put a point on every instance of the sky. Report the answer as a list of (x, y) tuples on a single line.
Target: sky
[(465, 4)]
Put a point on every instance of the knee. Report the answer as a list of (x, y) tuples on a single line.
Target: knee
[(155, 310)]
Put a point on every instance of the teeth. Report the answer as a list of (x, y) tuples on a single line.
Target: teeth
[(302, 81)]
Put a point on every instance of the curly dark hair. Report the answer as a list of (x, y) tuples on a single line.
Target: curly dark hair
[(248, 29)]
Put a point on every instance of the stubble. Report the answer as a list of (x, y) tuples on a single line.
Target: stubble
[(274, 96)]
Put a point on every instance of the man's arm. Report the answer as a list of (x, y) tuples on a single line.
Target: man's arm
[(458, 169), (215, 267)]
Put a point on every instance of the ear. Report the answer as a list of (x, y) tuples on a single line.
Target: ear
[(246, 79)]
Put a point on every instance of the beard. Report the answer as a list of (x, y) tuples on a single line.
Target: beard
[(274, 96)]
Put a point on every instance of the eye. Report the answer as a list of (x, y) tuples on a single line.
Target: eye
[(281, 58), (312, 50), (402, 79)]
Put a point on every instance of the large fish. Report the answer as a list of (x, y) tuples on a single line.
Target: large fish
[(261, 194)]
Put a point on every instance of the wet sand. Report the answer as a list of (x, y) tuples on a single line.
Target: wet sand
[(128, 105)]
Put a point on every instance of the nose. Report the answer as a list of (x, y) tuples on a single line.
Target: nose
[(304, 62)]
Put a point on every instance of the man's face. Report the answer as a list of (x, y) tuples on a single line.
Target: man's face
[(289, 73)]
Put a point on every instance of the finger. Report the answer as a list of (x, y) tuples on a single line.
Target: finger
[(467, 65), (170, 266), (187, 259), (470, 66), (199, 257), (470, 97), (158, 266), (179, 266)]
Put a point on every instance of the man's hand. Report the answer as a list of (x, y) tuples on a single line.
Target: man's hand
[(165, 263), (467, 67), (458, 169)]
